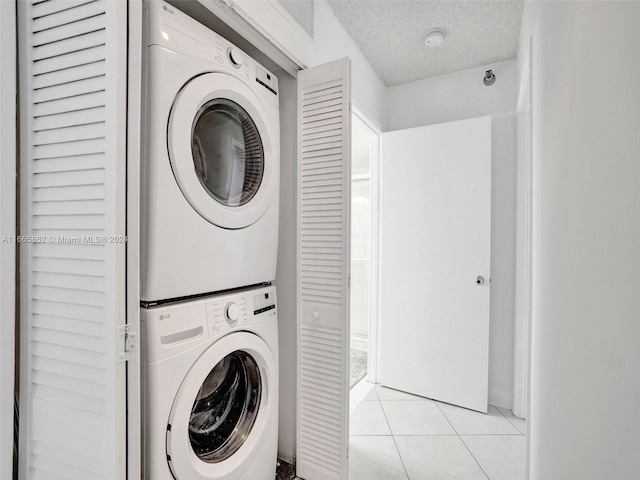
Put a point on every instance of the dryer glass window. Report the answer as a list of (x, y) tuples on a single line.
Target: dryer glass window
[(227, 152), (225, 408)]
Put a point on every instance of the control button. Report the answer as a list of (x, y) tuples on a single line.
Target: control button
[(235, 57), (217, 327), (232, 311)]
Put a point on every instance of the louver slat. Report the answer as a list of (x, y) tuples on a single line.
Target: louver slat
[(329, 128), (80, 147), (46, 8), (76, 44), (75, 99), (66, 266), (67, 16), (70, 74), (68, 134), (71, 30), (69, 60), (323, 253), (73, 112), (69, 164), (69, 119)]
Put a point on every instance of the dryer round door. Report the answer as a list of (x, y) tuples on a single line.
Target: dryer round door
[(222, 410), (220, 149)]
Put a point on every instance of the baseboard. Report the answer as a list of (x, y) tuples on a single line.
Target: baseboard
[(503, 399)]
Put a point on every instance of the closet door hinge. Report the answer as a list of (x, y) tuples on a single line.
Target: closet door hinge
[(127, 341)]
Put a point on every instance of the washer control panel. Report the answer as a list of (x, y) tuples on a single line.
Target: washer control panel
[(172, 328), (232, 312), (226, 312), (263, 302), (235, 310)]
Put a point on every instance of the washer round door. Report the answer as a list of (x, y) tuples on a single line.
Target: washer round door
[(222, 409), (221, 151)]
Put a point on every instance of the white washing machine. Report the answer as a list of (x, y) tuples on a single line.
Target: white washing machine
[(211, 388), (211, 161)]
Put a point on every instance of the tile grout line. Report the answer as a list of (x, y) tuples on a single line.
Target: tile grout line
[(446, 418), (509, 420), (498, 408), (463, 442), (394, 438), (474, 457)]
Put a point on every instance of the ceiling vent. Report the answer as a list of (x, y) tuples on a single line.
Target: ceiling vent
[(301, 12)]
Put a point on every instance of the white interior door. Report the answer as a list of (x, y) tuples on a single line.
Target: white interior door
[(324, 204), (73, 81), (435, 253)]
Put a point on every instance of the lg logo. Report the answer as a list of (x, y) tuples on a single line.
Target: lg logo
[(167, 9)]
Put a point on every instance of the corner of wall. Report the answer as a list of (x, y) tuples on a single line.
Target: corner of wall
[(333, 42)]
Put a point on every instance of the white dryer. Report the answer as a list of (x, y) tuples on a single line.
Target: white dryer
[(211, 160), (211, 388)]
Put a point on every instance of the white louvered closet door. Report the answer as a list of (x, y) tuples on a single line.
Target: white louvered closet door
[(73, 158), (324, 204)]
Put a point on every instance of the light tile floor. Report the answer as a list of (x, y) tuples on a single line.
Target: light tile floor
[(397, 436)]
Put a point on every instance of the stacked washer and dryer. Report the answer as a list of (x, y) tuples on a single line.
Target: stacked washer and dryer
[(209, 245)]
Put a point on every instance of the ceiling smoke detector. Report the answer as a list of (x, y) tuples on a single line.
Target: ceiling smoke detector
[(434, 38)]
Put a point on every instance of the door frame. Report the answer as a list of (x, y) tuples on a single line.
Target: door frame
[(373, 349), (524, 240), (134, 154), (8, 99)]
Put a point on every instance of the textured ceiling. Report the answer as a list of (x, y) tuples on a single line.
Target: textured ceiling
[(391, 33)]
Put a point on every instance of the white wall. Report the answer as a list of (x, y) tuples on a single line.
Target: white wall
[(463, 95), (451, 97), (585, 357), (7, 228), (331, 43)]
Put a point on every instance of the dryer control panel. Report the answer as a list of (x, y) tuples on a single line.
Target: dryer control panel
[(168, 27)]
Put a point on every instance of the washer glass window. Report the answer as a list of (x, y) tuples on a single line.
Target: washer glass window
[(225, 407), (227, 152)]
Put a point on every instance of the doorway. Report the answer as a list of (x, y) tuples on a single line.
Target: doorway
[(365, 144), (394, 434)]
